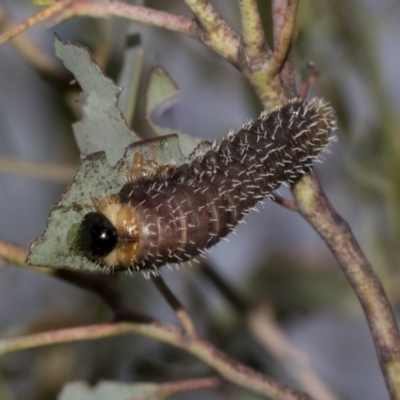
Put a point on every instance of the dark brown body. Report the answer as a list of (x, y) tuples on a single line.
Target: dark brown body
[(180, 215)]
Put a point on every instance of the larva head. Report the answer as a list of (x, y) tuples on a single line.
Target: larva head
[(97, 236), (111, 234)]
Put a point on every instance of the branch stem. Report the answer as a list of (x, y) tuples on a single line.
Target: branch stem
[(12, 253), (223, 364), (208, 27), (40, 170), (168, 389), (289, 204), (285, 37), (252, 29), (145, 15), (317, 210), (32, 52), (177, 306), (214, 32), (34, 20)]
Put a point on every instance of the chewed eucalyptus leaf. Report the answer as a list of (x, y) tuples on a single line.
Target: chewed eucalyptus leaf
[(161, 94), (113, 390), (95, 178), (108, 147), (102, 126)]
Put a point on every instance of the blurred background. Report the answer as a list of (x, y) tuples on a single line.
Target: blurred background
[(275, 260)]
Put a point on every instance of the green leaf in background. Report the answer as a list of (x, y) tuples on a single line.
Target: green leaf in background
[(5, 390), (102, 127), (94, 178), (161, 94), (112, 391), (129, 77)]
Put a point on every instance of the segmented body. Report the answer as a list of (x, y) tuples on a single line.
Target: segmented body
[(173, 218)]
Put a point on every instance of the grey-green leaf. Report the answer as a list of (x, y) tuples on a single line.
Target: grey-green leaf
[(161, 94), (102, 127)]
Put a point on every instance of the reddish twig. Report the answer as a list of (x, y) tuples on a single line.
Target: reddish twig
[(289, 204), (171, 388), (284, 14), (176, 305), (335, 231), (228, 368), (312, 76), (34, 20)]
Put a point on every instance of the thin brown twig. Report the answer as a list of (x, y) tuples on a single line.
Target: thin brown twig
[(286, 72), (335, 231), (223, 364), (278, 15), (285, 37), (161, 19), (33, 53), (252, 30), (169, 333), (289, 204), (65, 9), (13, 253), (40, 170), (208, 27), (171, 388), (214, 32), (310, 80), (33, 20), (177, 306)]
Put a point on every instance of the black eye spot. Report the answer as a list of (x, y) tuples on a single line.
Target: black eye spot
[(97, 236)]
